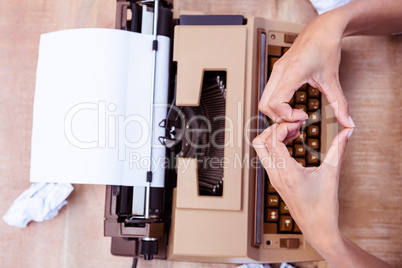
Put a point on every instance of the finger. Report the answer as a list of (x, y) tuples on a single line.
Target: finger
[(279, 153), (285, 113), (274, 79), (278, 92), (275, 136), (337, 150), (264, 155), (282, 94), (284, 131), (292, 135), (259, 142), (337, 100)]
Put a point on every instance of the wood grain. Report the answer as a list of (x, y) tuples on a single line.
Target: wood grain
[(370, 187)]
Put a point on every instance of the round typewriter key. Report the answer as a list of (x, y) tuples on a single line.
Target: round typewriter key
[(300, 150), (301, 161), (301, 107), (301, 96), (301, 138), (313, 131), (314, 117), (313, 144), (313, 104), (283, 208), (272, 200), (312, 158), (286, 224), (272, 215), (313, 92)]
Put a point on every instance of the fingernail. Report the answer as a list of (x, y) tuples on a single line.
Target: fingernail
[(350, 132), (351, 121)]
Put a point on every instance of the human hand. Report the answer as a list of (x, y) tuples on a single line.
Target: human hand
[(311, 194), (314, 59)]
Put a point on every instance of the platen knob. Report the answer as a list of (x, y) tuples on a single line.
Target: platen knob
[(149, 248)]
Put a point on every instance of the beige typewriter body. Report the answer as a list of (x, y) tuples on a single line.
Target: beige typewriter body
[(224, 228), (221, 229)]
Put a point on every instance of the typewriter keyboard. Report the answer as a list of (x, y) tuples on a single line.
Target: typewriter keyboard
[(304, 149)]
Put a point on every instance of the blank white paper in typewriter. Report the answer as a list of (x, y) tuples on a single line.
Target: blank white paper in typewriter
[(92, 107)]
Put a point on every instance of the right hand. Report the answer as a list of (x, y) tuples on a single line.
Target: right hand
[(311, 193), (314, 59)]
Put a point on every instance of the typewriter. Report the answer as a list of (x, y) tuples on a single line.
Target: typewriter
[(217, 204)]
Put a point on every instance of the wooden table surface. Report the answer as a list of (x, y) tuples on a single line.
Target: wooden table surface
[(371, 182)]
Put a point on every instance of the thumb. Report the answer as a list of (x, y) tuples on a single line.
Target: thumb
[(338, 147), (338, 102)]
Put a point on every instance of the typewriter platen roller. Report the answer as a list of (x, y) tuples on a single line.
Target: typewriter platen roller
[(212, 206)]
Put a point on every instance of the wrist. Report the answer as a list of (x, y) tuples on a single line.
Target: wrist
[(326, 242), (344, 18), (335, 249), (336, 22)]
